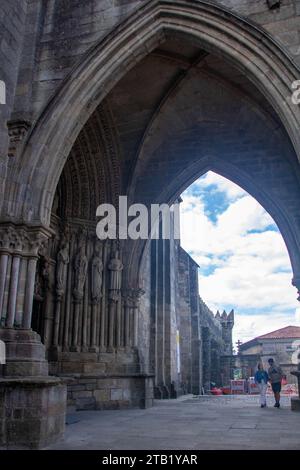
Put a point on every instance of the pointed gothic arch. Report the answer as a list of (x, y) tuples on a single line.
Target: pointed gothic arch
[(213, 27)]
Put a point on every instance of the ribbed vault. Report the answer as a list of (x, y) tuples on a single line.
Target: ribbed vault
[(179, 113)]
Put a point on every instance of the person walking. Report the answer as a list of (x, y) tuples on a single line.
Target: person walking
[(275, 377), (261, 379)]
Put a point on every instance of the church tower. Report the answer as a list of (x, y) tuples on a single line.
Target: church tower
[(227, 322)]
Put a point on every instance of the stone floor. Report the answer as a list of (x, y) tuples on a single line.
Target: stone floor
[(233, 422)]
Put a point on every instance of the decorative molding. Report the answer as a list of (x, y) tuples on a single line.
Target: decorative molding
[(24, 240), (273, 4), (131, 296), (91, 175), (17, 131)]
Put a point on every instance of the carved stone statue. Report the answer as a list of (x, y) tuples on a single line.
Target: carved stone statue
[(80, 267), (42, 278), (46, 273), (97, 274), (115, 267), (38, 290), (61, 271)]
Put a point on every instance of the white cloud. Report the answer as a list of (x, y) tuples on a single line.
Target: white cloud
[(231, 190), (297, 316), (250, 326), (243, 215), (250, 270)]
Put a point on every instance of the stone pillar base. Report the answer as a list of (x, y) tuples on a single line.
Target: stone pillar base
[(110, 392), (25, 354), (295, 404), (32, 412), (161, 392)]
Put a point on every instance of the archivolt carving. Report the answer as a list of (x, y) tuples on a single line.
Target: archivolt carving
[(92, 173)]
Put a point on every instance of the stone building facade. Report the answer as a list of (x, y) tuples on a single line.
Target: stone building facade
[(201, 342), (282, 345), (138, 98)]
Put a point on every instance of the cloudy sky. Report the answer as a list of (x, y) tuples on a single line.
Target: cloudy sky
[(243, 259)]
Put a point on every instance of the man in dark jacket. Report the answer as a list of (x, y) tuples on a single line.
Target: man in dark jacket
[(275, 377)]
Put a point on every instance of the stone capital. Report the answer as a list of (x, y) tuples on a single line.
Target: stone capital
[(22, 239), (17, 131), (132, 296), (77, 296)]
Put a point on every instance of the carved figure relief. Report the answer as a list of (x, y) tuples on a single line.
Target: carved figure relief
[(115, 267), (97, 275), (80, 268), (61, 271)]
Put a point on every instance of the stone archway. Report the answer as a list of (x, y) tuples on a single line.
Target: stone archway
[(210, 26), (65, 143), (208, 124)]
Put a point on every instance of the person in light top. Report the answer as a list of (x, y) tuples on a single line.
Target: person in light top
[(261, 379)]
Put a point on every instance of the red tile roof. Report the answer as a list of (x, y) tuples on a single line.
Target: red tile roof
[(287, 332)]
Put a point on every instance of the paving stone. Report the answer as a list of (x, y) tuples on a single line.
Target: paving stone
[(156, 427)]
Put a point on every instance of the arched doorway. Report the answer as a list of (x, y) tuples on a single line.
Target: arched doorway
[(244, 266), (174, 91), (197, 115)]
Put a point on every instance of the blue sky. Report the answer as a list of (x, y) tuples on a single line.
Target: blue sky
[(243, 259)]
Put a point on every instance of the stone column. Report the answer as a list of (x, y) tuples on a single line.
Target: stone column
[(215, 362), (111, 329), (13, 291), (80, 271), (103, 306), (31, 270), (3, 270), (24, 350), (26, 390), (206, 344), (67, 340), (75, 339), (197, 356), (57, 320), (119, 325), (127, 307), (136, 295), (131, 299), (96, 293), (63, 260), (115, 268), (93, 347), (48, 278)]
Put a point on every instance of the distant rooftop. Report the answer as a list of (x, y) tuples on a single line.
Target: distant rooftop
[(283, 333), (287, 332)]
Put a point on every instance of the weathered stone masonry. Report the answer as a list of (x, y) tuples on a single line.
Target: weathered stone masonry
[(111, 97)]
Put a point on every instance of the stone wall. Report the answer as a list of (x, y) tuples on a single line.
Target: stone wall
[(12, 25), (32, 412), (281, 350), (203, 344), (282, 23), (183, 306), (64, 31), (144, 335), (163, 318), (110, 392), (109, 334), (68, 30)]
